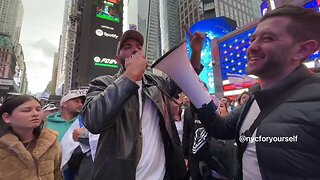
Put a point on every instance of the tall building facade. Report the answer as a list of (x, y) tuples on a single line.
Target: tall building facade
[(8, 58), (13, 67), (67, 45), (190, 12), (72, 44), (11, 14), (53, 82), (20, 76), (61, 74), (169, 24), (242, 11), (153, 45), (143, 16), (7, 66)]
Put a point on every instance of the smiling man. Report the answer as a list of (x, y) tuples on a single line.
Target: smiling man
[(285, 107)]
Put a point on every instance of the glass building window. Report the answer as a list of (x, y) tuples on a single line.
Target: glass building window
[(226, 8), (220, 5)]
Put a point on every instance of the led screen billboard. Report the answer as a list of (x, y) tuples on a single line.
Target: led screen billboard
[(109, 10), (232, 51), (105, 29), (213, 28)]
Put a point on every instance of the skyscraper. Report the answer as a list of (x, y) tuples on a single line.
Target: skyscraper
[(12, 59), (153, 32), (143, 16), (63, 48), (242, 11), (11, 19), (169, 24), (190, 12), (20, 76)]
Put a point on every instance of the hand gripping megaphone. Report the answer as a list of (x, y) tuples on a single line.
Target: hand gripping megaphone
[(175, 63)]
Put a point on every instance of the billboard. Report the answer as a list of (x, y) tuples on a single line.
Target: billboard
[(106, 31), (232, 53), (102, 30), (213, 28), (109, 10)]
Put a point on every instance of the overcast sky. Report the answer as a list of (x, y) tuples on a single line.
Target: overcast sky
[(40, 33)]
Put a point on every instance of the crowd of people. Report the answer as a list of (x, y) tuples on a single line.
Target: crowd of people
[(136, 125)]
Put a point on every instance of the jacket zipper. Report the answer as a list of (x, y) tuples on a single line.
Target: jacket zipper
[(37, 167)]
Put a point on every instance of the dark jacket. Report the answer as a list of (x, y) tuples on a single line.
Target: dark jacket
[(298, 115), (215, 154), (187, 142), (112, 109)]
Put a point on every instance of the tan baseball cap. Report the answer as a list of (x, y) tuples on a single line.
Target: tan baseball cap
[(130, 34)]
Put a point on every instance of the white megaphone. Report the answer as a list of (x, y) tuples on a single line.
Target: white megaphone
[(175, 63)]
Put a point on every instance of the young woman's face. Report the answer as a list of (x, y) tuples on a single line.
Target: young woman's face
[(223, 110), (244, 98), (28, 115)]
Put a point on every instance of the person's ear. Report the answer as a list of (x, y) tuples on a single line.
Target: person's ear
[(305, 49), (118, 59), (6, 118)]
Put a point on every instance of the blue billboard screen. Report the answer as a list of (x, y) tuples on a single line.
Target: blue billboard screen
[(213, 28)]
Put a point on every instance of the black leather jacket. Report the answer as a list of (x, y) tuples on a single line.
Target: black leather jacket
[(112, 110)]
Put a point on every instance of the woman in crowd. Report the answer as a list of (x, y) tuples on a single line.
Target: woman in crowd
[(223, 109), (227, 102), (243, 97), (26, 150)]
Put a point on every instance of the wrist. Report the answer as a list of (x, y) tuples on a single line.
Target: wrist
[(133, 76)]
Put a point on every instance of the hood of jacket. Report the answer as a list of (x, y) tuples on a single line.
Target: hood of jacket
[(56, 118)]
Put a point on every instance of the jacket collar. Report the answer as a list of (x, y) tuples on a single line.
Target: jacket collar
[(120, 72), (44, 142), (265, 97), (12, 144)]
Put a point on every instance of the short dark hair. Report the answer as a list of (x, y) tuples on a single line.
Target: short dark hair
[(304, 24), (10, 104)]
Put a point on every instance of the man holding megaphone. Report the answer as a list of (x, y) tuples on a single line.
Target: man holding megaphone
[(131, 112)]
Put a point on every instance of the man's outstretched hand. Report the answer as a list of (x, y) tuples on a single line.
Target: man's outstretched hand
[(196, 42)]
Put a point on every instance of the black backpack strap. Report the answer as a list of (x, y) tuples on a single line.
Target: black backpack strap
[(264, 113)]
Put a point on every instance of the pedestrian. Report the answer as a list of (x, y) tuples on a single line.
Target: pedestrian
[(73, 136), (243, 97), (27, 151)]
